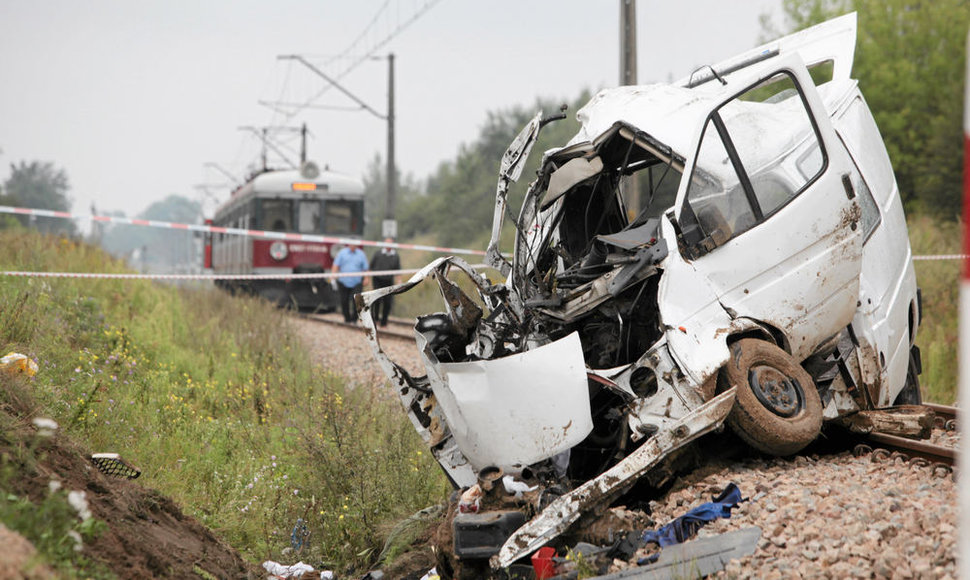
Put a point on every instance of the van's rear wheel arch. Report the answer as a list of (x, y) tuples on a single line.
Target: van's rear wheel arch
[(778, 409)]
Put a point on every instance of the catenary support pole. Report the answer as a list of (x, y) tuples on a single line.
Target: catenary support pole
[(963, 483), (628, 76), (389, 208)]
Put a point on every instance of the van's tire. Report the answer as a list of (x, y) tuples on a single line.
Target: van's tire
[(777, 409), (910, 395)]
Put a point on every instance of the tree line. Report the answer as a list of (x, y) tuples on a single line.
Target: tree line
[(910, 63)]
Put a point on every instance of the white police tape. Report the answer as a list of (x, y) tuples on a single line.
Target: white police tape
[(284, 276), (941, 257), (292, 276), (289, 236), (270, 235)]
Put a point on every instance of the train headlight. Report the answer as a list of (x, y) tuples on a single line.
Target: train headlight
[(278, 251)]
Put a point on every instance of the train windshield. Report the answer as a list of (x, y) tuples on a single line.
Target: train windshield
[(334, 217), (309, 217), (342, 217), (277, 215)]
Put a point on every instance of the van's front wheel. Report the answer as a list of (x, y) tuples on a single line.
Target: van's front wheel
[(777, 410)]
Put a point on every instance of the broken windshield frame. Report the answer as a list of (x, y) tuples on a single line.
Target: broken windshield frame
[(593, 168)]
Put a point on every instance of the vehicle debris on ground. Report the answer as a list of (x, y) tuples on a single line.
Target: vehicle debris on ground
[(764, 282)]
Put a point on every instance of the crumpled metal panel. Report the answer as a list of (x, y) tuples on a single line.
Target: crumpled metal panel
[(520, 409), (416, 395), (566, 510)]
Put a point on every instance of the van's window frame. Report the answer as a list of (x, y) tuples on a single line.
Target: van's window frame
[(714, 119)]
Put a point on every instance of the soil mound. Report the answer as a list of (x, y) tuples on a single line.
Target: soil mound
[(146, 534)]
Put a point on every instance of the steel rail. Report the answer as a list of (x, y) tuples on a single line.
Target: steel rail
[(928, 451), (381, 331)]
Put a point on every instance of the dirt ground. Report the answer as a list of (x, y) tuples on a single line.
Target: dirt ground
[(147, 535)]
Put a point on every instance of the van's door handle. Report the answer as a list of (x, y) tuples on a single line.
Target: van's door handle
[(847, 184)]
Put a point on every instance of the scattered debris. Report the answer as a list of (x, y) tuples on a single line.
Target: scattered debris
[(297, 570), (79, 501), (905, 420), (694, 559), (299, 535), (45, 427), (760, 277), (16, 363), (685, 527), (112, 464)]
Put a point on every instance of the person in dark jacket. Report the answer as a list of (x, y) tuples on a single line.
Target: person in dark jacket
[(384, 259)]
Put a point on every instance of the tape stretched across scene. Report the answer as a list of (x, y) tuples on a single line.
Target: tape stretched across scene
[(288, 236), (292, 276), (285, 276), (941, 257), (293, 236)]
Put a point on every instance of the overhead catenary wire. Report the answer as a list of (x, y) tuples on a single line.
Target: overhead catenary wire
[(365, 54), (283, 112)]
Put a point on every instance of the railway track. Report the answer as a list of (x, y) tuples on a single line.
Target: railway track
[(399, 328), (946, 416), (883, 447)]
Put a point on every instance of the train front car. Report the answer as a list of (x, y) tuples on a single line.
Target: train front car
[(305, 202)]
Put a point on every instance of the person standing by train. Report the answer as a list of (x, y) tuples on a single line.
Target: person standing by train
[(385, 258), (350, 259)]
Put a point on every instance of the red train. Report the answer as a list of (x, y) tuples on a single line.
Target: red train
[(306, 201)]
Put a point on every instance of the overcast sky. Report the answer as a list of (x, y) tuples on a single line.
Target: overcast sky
[(133, 99)]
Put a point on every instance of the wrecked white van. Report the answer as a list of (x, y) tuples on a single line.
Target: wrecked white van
[(765, 282)]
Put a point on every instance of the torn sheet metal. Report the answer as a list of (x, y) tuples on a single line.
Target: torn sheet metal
[(565, 510)]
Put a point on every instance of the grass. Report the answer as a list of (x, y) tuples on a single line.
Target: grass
[(940, 283), (218, 404), (47, 520)]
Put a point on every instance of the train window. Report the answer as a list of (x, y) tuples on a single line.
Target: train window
[(343, 217), (277, 215), (309, 218)]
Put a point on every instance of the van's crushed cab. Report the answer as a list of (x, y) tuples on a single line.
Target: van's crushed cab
[(764, 280)]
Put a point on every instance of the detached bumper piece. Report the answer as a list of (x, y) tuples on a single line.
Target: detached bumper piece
[(481, 536)]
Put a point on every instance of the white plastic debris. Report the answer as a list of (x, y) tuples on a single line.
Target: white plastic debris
[(293, 571), (78, 542), (517, 488), (79, 501), (45, 427)]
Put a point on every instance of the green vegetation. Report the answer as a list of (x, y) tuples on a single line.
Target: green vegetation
[(217, 403), (939, 331), (37, 184), (910, 61), (49, 522)]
